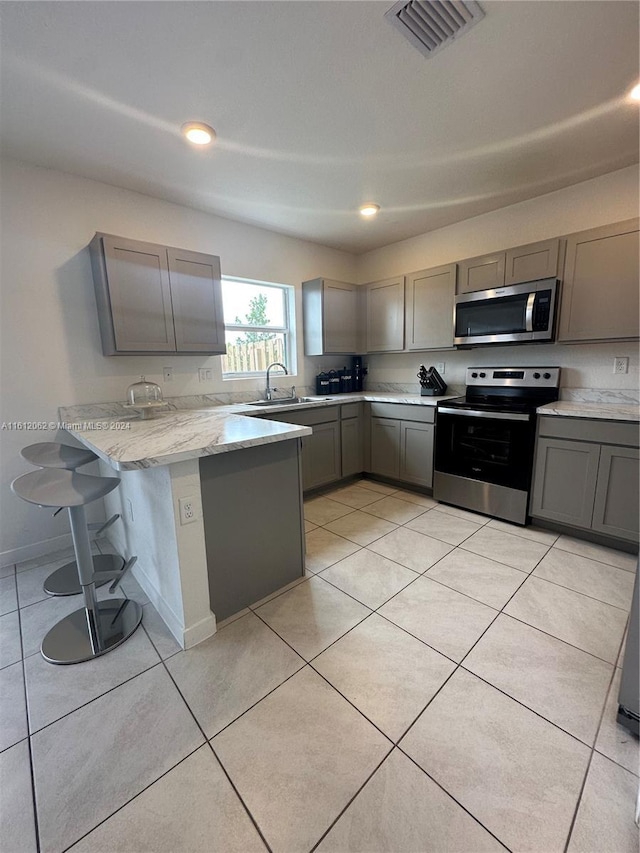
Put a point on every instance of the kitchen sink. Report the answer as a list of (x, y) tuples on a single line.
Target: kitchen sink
[(288, 401)]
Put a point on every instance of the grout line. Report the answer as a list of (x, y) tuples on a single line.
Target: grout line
[(595, 559), (579, 592)]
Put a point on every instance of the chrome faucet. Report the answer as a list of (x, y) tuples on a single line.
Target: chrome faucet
[(269, 389)]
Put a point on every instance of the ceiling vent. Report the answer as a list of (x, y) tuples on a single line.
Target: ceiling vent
[(431, 25)]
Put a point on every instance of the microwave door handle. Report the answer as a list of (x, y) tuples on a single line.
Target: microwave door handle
[(528, 317)]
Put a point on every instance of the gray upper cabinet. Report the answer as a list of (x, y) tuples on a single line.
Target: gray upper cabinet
[(429, 308), (532, 262), (154, 299), (332, 317), (385, 315), (483, 273), (600, 284)]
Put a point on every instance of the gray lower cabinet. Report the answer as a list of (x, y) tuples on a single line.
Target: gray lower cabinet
[(587, 474), (401, 442), (352, 439), (155, 299), (254, 544)]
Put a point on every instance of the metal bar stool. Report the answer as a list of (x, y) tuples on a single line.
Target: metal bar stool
[(50, 454), (99, 626)]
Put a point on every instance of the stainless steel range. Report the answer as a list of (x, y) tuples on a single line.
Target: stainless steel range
[(485, 440)]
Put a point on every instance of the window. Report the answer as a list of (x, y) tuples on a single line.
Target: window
[(259, 325)]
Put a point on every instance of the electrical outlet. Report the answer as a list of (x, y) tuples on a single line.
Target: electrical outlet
[(188, 510), (129, 510), (204, 374), (621, 364), (167, 374), (440, 367)]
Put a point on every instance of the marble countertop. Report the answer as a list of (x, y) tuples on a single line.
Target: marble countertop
[(599, 411), (128, 443)]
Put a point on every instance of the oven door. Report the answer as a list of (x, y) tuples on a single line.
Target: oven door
[(492, 447)]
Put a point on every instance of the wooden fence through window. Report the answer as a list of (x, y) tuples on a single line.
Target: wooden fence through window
[(252, 357)]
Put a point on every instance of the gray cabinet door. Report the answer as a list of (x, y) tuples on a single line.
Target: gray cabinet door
[(564, 483), (140, 297), (483, 273), (385, 315), (429, 308), (321, 455), (352, 446), (416, 453), (385, 447), (532, 262), (340, 320), (600, 286), (196, 293), (616, 506)]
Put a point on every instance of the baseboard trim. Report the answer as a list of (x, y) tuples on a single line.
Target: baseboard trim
[(37, 549)]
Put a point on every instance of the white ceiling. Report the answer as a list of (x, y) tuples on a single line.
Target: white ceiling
[(320, 106)]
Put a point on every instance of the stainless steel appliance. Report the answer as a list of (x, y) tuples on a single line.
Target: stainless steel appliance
[(485, 440), (629, 695), (522, 313)]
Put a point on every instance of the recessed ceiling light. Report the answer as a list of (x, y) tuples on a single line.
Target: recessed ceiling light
[(198, 133), (369, 209), (635, 93)]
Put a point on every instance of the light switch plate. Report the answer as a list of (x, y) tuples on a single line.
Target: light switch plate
[(204, 374)]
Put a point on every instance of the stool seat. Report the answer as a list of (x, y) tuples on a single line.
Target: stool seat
[(58, 487), (50, 454)]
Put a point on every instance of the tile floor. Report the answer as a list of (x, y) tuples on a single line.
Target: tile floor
[(438, 681)]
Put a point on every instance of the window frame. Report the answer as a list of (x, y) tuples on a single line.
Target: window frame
[(288, 331)]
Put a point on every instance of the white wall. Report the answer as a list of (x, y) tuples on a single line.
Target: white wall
[(610, 198), (49, 337)]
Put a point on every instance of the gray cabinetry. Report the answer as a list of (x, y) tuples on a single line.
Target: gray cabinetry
[(600, 284), (586, 475), (154, 299), (385, 315), (514, 266), (352, 439), (332, 317), (402, 442), (429, 308)]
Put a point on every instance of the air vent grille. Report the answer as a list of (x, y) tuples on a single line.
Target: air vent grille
[(431, 25)]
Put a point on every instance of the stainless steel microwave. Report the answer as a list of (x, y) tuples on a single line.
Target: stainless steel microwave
[(520, 313)]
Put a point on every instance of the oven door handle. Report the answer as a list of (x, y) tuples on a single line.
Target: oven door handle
[(528, 317), (473, 413)]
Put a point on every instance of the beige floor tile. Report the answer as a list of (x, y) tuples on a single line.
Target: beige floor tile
[(312, 616), (620, 559), (483, 579), (231, 671), (325, 548), (583, 622), (384, 817), (161, 637), (394, 509), (375, 486), (442, 525), (536, 534), (193, 808), (323, 510), (313, 751), (53, 691), (563, 684), (616, 741), (410, 548), (17, 822), (416, 498), (604, 823), (309, 526), (8, 596), (133, 734), (386, 673), (13, 711), (354, 496), (7, 571), (368, 577), (360, 527), (465, 514), (517, 774), (598, 580), (514, 551), (623, 647), (442, 618), (10, 648)]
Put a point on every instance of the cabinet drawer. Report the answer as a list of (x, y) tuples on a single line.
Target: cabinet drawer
[(351, 410), (604, 432), (404, 412)]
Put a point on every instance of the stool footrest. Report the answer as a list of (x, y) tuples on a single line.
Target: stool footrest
[(65, 580), (104, 577), (100, 526)]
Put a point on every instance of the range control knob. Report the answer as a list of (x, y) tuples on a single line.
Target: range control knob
[(547, 376), (474, 375), (482, 375), (536, 376)]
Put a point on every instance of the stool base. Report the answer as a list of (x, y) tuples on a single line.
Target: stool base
[(65, 581), (69, 641)]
